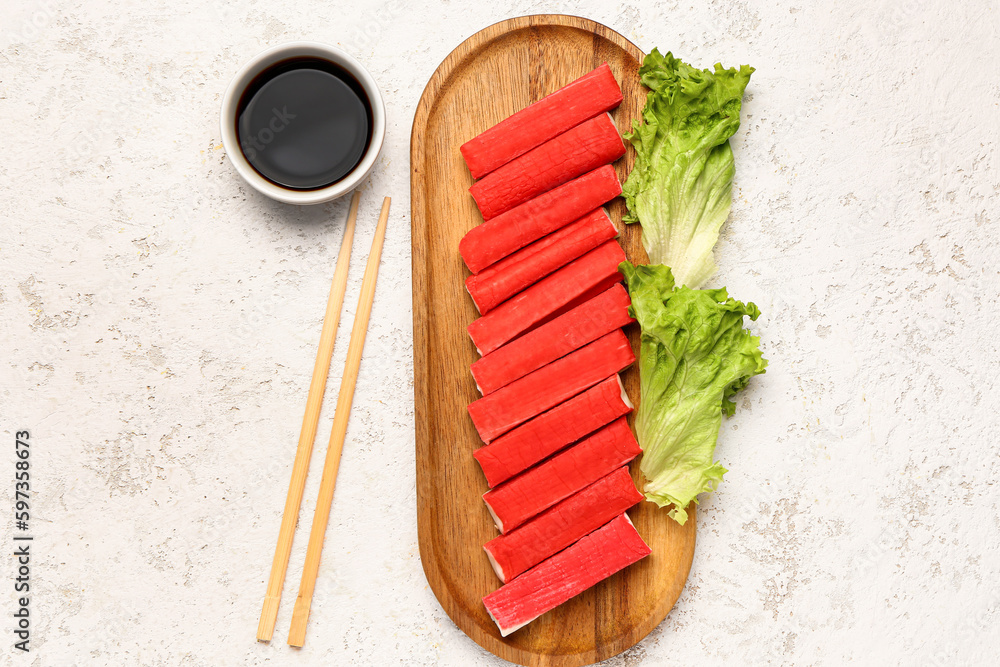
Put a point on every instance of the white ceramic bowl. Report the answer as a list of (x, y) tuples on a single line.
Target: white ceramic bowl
[(258, 64)]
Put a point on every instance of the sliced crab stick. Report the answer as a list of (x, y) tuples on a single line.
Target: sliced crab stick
[(599, 288), (545, 298), (527, 266), (561, 525), (591, 94), (539, 488), (492, 241), (585, 147), (556, 338), (607, 550), (550, 385), (546, 434)]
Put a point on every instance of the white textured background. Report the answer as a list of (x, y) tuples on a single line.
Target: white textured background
[(159, 321)]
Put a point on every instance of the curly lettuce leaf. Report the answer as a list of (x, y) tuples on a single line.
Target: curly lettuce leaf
[(694, 356), (681, 187)]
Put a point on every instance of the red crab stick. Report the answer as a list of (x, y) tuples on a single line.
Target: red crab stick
[(545, 298), (556, 338), (525, 267), (549, 432), (591, 94), (550, 385), (561, 525), (535, 490), (585, 147), (494, 240), (607, 550)]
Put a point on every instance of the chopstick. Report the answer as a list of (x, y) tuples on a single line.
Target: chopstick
[(307, 436), (300, 616)]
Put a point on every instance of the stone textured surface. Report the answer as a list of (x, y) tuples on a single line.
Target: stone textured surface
[(159, 322)]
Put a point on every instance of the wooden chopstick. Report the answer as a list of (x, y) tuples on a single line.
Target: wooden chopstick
[(300, 616), (269, 613)]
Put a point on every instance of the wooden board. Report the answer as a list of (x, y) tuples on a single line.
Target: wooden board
[(491, 75)]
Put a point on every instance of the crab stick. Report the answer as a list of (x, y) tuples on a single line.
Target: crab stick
[(591, 94), (527, 266), (561, 525), (492, 241), (556, 338), (544, 299), (599, 288), (546, 434), (550, 385), (535, 490), (607, 550), (585, 147)]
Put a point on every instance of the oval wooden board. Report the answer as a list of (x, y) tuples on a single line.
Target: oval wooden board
[(491, 75)]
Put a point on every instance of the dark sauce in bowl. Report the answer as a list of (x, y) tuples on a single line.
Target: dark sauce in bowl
[(304, 123)]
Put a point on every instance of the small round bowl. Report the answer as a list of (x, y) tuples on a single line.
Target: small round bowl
[(261, 62)]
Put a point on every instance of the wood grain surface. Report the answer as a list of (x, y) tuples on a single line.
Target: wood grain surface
[(491, 75)]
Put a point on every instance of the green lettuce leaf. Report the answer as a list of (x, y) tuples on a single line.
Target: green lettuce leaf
[(694, 356), (681, 187)]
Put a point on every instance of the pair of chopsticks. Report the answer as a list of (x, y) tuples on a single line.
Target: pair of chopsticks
[(300, 616)]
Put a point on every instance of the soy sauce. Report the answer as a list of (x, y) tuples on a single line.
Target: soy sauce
[(304, 123)]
